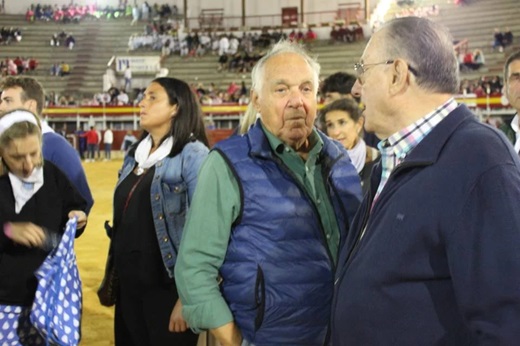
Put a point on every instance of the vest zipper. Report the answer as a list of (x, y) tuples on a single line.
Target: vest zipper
[(302, 188)]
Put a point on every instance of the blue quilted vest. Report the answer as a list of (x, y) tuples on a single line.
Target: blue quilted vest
[(278, 273)]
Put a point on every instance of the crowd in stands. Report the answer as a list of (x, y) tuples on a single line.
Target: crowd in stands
[(8, 35), (418, 11), (469, 60), (148, 13), (346, 33), (486, 85), (73, 13), (63, 39), (17, 66), (61, 69)]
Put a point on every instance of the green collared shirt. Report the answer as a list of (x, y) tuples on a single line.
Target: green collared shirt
[(215, 206)]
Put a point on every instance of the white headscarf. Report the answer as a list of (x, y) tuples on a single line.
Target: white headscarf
[(23, 188), (146, 160)]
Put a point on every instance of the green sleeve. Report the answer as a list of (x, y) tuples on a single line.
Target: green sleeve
[(215, 205)]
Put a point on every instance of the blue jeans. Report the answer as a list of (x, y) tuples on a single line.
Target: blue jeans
[(91, 150), (108, 148)]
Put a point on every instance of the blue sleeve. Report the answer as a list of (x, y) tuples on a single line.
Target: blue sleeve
[(193, 156), (483, 251), (58, 150)]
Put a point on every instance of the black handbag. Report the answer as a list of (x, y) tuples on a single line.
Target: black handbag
[(107, 291)]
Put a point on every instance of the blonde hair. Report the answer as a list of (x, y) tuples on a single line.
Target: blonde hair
[(248, 119)]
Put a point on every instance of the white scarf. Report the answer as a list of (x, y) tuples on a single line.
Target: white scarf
[(143, 157), (25, 188), (358, 155)]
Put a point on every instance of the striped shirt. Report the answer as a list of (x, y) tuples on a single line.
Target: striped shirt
[(395, 148)]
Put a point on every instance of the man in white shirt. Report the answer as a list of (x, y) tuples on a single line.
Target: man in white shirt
[(512, 92), (108, 139)]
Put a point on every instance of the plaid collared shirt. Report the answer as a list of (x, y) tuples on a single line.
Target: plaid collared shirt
[(395, 148)]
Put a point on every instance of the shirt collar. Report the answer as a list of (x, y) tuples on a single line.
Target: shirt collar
[(403, 141), (280, 147), (514, 123)]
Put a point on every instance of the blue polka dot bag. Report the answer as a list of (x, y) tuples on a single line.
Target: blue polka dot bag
[(56, 311)]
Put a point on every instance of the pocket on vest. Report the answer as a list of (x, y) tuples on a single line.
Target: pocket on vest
[(259, 297)]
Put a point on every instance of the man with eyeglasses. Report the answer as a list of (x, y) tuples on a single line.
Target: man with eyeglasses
[(512, 91), (432, 256)]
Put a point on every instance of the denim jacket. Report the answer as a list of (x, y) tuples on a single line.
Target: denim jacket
[(172, 189)]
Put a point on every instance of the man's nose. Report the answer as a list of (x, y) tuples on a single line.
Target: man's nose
[(356, 89), (296, 99)]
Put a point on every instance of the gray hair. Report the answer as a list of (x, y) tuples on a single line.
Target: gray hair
[(428, 49), (283, 47), (513, 57)]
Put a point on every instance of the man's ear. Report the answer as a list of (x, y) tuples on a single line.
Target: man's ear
[(401, 77), (32, 106), (255, 100)]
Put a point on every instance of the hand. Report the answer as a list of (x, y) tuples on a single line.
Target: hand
[(82, 217), (26, 233), (177, 322), (228, 334)]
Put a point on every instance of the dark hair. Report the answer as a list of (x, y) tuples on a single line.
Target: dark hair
[(513, 57), (187, 125), (340, 82), (346, 105), (32, 90)]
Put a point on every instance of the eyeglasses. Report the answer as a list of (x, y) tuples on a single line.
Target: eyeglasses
[(361, 68)]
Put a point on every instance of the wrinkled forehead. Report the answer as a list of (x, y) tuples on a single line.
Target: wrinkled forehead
[(289, 65)]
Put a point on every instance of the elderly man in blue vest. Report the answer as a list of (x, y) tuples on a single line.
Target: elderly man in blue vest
[(268, 215)]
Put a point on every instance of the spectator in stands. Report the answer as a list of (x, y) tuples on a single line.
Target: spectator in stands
[(128, 78), (441, 220), (64, 69), (337, 86), (164, 161), (29, 15), (512, 91), (145, 11), (508, 37), (310, 36), (54, 40), (223, 45), (498, 41), (478, 58), (33, 64), (342, 121), (27, 93), (12, 69), (70, 41), (274, 173), (55, 70), (122, 98), (135, 14)]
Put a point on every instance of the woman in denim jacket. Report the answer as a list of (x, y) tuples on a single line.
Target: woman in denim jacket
[(151, 198)]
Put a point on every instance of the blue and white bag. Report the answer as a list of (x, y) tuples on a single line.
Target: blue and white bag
[(56, 311)]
